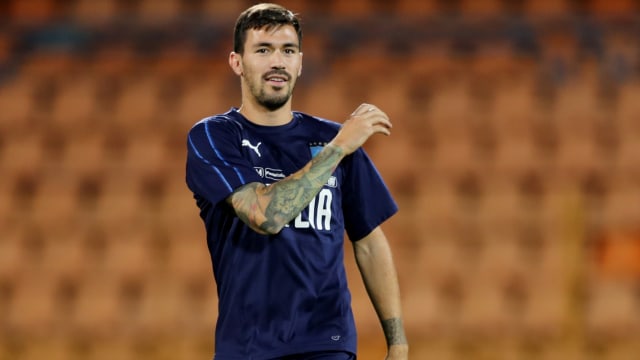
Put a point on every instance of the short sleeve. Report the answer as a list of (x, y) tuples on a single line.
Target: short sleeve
[(215, 164), (367, 201)]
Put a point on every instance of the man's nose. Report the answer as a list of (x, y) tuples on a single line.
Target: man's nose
[(277, 60)]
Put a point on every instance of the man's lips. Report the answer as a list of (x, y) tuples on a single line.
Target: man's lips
[(278, 77)]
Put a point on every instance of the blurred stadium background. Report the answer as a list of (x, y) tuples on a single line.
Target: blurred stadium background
[(515, 159)]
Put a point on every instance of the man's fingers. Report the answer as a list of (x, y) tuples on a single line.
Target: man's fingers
[(378, 120), (361, 109), (364, 109), (382, 118), (382, 129)]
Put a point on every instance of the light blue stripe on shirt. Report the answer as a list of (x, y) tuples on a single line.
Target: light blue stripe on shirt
[(209, 163), (215, 150)]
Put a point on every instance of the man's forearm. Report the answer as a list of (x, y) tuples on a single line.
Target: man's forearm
[(394, 331), (267, 209), (376, 266)]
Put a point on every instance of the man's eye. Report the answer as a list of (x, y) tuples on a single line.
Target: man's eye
[(262, 51), (289, 51)]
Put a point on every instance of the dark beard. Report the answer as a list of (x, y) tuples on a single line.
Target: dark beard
[(273, 104)]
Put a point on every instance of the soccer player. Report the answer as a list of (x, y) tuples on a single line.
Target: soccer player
[(277, 190)]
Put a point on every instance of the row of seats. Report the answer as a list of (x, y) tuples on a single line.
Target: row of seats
[(98, 280), (184, 348), (160, 11), (574, 36)]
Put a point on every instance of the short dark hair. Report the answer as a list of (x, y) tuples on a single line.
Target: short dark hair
[(260, 16)]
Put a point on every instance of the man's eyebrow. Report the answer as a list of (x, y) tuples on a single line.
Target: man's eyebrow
[(268, 44)]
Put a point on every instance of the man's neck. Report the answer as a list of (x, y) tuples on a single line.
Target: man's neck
[(262, 116)]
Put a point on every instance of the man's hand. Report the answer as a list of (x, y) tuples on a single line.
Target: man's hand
[(364, 122)]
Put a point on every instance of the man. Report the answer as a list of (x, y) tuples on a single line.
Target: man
[(276, 190)]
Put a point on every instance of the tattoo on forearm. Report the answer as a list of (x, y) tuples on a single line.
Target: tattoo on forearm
[(394, 331), (289, 196)]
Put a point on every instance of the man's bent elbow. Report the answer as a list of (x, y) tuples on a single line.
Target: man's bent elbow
[(269, 227)]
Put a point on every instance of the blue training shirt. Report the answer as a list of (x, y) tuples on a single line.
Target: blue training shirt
[(286, 293)]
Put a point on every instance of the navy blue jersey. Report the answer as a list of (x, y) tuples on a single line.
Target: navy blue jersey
[(285, 293)]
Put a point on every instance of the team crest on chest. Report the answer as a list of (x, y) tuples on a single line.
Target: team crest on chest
[(316, 147)]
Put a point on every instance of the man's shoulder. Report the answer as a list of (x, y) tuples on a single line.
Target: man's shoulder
[(317, 120), (217, 121)]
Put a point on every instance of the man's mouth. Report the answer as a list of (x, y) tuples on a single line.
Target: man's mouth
[(277, 78)]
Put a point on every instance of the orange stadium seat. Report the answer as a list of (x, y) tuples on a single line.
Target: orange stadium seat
[(85, 153), (546, 8), (627, 111), (146, 153), (128, 257), (352, 9), (158, 12), (413, 9), (92, 13), (485, 312), (138, 103), (620, 208), (160, 308), (626, 160), (577, 115), (544, 313), (31, 12), (23, 152), (53, 347), (12, 254), (612, 309), (224, 10), (98, 311), (17, 100), (32, 311), (481, 9), (201, 99), (54, 204), (604, 8), (76, 106), (49, 66), (65, 265), (118, 207)]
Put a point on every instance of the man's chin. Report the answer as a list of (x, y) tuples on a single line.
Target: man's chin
[(274, 104)]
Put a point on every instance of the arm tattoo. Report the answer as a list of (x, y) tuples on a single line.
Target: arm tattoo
[(287, 197), (394, 331)]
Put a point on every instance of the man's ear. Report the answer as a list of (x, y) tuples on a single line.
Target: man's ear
[(235, 61), (300, 70)]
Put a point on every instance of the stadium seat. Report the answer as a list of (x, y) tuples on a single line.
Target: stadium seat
[(91, 13), (158, 13), (545, 9), (354, 9), (412, 9), (127, 257), (54, 204), (23, 152), (612, 309), (544, 314), (32, 309), (481, 10), (608, 9), (18, 103), (30, 13), (76, 106), (99, 311)]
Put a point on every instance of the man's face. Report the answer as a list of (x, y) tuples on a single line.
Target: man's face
[(270, 65)]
